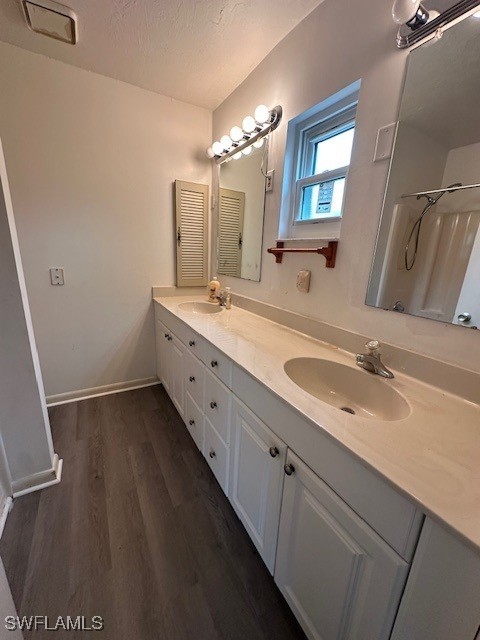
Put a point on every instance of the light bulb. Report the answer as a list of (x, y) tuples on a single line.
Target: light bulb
[(258, 143), (236, 134), (247, 151), (404, 10), (249, 124), (262, 114), (237, 156), (210, 152), (217, 148), (226, 142)]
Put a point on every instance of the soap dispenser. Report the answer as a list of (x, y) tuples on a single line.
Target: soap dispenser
[(212, 290)]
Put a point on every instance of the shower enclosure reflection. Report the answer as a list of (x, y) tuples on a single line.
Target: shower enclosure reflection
[(427, 257)]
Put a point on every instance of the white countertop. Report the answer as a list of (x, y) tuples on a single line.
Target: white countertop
[(433, 455)]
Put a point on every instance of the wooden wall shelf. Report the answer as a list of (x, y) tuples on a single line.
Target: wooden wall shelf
[(330, 252)]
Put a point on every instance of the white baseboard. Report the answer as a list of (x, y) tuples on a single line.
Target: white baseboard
[(104, 390), (4, 515), (39, 480)]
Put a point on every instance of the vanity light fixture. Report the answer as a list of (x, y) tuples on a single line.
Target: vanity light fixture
[(417, 23), (51, 19), (252, 132)]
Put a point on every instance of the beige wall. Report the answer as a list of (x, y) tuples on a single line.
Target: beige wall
[(338, 43), (91, 163)]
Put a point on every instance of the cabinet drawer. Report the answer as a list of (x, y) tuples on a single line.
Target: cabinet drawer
[(216, 454), (195, 343), (217, 405), (219, 364), (194, 421), (194, 373)]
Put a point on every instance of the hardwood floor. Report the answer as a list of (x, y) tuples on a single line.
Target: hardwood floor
[(138, 532)]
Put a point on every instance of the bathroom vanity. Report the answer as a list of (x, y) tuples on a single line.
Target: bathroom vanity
[(369, 523)]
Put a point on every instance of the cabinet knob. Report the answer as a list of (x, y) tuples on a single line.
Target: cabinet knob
[(192, 378), (165, 335), (212, 454), (192, 343), (289, 469), (169, 337), (191, 422), (213, 404), (214, 363), (274, 452)]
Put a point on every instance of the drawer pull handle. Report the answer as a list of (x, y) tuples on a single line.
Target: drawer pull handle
[(289, 469), (192, 343), (274, 452), (191, 422), (212, 454), (214, 363), (192, 378), (213, 404), (169, 337), (166, 335)]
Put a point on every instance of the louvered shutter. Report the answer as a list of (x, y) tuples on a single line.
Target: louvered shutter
[(191, 208), (230, 232)]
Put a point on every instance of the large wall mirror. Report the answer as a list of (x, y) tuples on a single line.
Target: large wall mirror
[(241, 202), (427, 257)]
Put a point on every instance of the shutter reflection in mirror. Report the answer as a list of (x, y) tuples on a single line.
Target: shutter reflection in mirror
[(231, 214)]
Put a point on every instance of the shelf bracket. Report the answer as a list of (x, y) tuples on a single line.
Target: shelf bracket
[(329, 252)]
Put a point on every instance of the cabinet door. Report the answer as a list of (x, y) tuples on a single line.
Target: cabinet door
[(342, 581), (256, 479), (177, 394), (164, 361)]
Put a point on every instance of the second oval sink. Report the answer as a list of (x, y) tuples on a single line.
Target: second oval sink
[(356, 392), (203, 308)]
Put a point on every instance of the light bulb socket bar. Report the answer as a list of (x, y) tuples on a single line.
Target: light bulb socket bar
[(259, 133), (405, 40)]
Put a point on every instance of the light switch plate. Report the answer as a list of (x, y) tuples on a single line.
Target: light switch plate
[(57, 276), (303, 281), (385, 140)]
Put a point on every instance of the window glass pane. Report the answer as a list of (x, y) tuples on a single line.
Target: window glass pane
[(322, 200), (334, 152)]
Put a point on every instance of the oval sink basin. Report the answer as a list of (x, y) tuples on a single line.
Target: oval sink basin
[(203, 308), (356, 392)]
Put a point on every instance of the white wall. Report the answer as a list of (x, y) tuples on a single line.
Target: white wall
[(339, 42), (24, 425), (91, 163)]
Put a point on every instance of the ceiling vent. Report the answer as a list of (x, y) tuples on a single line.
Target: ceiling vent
[(51, 19)]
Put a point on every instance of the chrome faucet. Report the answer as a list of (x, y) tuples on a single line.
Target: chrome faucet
[(371, 361)]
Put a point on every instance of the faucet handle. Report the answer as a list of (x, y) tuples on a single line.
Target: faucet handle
[(373, 347)]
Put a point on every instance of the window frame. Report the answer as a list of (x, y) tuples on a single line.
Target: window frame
[(344, 121), (336, 111)]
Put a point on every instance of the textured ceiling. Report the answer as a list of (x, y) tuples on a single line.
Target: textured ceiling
[(195, 51)]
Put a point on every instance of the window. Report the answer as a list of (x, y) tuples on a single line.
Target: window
[(317, 159)]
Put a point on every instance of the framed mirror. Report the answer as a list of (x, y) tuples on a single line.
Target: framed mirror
[(427, 255), (241, 204)]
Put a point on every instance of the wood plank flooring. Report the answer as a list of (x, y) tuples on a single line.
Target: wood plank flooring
[(138, 532)]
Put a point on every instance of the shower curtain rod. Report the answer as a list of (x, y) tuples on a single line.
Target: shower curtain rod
[(449, 189)]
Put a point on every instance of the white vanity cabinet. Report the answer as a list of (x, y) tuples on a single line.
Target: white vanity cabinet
[(256, 479), (338, 576), (337, 538), (177, 386), (164, 362)]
